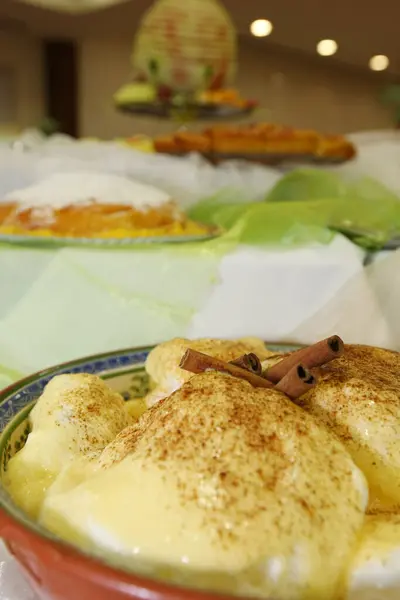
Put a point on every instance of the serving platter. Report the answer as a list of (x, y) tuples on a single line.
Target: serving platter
[(53, 241), (279, 159), (283, 160), (377, 238)]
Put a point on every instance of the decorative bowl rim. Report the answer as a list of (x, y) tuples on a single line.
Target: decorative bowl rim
[(21, 383)]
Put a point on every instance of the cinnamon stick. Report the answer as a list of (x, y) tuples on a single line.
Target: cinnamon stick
[(296, 382), (197, 362), (313, 356), (250, 362)]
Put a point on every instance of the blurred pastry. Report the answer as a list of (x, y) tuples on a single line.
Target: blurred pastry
[(222, 485), (6, 210), (240, 139), (290, 141), (335, 146), (224, 96), (76, 416), (264, 139), (162, 364), (90, 204), (166, 144), (183, 142), (187, 141)]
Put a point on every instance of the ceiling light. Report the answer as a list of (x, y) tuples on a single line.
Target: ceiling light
[(380, 62), (261, 27), (327, 47)]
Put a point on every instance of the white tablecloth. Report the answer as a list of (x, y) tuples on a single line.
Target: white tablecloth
[(269, 293), (62, 304)]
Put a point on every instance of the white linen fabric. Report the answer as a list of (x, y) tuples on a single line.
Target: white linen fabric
[(62, 304)]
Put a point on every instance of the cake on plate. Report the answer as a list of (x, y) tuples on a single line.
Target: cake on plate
[(93, 205)]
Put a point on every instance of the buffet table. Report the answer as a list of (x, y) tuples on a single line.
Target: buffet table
[(61, 304)]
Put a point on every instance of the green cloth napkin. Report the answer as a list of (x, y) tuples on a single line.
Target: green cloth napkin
[(307, 184), (305, 206), (259, 223)]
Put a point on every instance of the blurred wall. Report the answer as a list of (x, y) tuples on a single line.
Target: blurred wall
[(22, 80), (290, 88)]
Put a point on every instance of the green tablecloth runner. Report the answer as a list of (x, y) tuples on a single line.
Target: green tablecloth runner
[(302, 205), (56, 302)]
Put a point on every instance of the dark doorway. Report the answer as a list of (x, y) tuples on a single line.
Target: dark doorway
[(61, 80)]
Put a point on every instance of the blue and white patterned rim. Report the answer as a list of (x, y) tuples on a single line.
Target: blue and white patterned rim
[(16, 397)]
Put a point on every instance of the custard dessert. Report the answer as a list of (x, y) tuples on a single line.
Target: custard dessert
[(252, 474), (374, 572), (221, 477), (76, 416), (162, 364), (358, 397)]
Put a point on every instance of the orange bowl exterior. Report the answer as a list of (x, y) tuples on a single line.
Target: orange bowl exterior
[(57, 571)]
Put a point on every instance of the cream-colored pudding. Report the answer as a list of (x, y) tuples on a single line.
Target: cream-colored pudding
[(358, 397), (162, 364), (374, 573), (76, 416), (220, 478)]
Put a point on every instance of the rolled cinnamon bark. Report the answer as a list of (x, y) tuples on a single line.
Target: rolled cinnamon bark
[(197, 362), (250, 362), (313, 356), (296, 382)]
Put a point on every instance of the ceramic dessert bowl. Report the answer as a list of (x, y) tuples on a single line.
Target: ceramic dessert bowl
[(57, 570)]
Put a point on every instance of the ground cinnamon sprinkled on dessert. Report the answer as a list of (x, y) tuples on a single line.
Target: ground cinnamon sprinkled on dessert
[(85, 407), (384, 510), (358, 397), (234, 451)]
